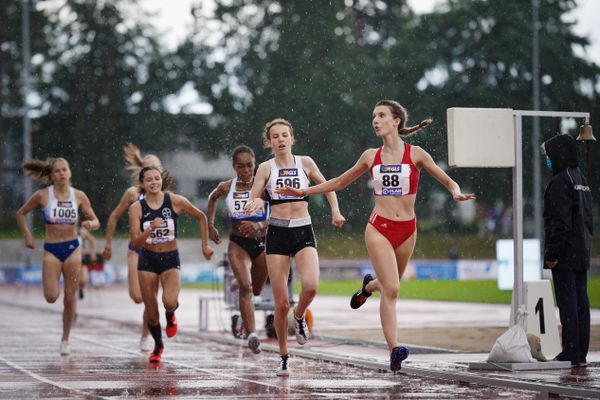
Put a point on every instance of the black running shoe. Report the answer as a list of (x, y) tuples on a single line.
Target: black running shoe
[(399, 354), (359, 298), (284, 367)]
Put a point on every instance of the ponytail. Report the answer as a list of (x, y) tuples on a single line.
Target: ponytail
[(398, 111), (407, 132), (40, 170)]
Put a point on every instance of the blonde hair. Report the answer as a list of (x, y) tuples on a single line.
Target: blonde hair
[(266, 136), (398, 111), (41, 170), (134, 161)]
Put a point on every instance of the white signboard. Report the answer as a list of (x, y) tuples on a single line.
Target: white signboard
[(481, 137)]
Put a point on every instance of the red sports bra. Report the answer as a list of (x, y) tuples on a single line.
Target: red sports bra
[(394, 179)]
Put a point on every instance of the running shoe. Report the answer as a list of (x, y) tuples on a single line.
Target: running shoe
[(156, 354), (145, 344), (301, 329), (171, 325), (254, 343), (359, 298), (64, 348), (399, 354), (284, 367)]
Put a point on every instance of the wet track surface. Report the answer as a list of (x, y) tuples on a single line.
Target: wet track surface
[(105, 363)]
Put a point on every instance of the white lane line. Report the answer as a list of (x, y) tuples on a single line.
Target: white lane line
[(198, 369), (48, 381)]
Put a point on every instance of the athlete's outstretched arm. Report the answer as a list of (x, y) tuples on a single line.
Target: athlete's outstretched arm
[(337, 219), (334, 184), (426, 161)]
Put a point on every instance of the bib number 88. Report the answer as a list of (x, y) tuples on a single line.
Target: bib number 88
[(391, 180)]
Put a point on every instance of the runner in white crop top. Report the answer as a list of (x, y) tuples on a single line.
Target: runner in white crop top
[(280, 177)]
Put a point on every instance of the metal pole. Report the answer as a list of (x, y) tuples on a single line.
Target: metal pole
[(535, 139), (25, 90), (518, 216)]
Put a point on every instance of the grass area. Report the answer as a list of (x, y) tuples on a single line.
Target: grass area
[(477, 291), (351, 244)]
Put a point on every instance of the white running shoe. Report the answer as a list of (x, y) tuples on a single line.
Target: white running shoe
[(301, 329), (64, 348), (254, 343), (145, 345), (284, 366)]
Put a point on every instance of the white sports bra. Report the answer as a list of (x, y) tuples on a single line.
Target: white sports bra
[(60, 212), (236, 200), (293, 177)]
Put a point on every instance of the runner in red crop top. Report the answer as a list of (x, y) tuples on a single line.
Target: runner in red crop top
[(391, 179), (390, 235)]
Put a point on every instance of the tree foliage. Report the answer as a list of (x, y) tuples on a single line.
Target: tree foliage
[(103, 80)]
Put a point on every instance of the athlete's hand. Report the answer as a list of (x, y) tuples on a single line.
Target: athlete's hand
[(337, 219), (107, 253), (289, 191), (87, 225), (156, 223), (551, 264), (213, 234), (93, 257), (462, 197), (29, 242), (207, 252), (254, 205), (249, 228)]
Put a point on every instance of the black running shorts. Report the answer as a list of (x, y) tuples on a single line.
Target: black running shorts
[(158, 262), (289, 241)]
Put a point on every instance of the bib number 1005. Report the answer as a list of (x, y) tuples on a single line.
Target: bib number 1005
[(64, 213)]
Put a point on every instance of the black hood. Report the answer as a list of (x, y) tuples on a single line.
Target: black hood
[(562, 151)]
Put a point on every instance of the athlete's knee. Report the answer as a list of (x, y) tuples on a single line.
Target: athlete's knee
[(282, 307), (390, 291), (170, 302), (69, 301), (152, 320), (309, 292), (245, 288), (51, 297)]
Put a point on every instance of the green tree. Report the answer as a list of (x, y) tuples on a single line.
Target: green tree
[(99, 63), (483, 54), (11, 100)]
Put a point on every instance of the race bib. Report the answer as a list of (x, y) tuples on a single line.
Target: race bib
[(63, 212), (391, 180), (163, 234)]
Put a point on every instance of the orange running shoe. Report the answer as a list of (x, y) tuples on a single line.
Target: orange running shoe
[(171, 326), (156, 354)]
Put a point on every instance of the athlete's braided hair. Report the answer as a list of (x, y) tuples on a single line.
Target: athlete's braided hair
[(398, 111), (41, 170), (266, 136)]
